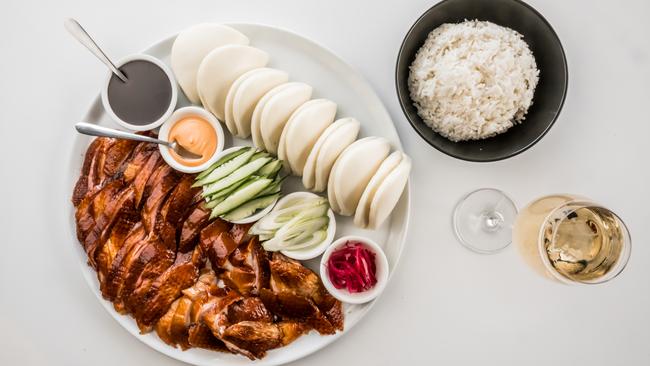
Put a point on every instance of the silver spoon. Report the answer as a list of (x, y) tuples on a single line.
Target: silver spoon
[(95, 130), (84, 38)]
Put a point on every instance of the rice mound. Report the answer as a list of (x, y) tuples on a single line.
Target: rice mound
[(473, 80)]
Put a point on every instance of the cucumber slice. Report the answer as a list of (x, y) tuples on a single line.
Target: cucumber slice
[(241, 196), (260, 154), (250, 207), (226, 168), (274, 188), (220, 162), (226, 191), (236, 176), (271, 169), (214, 202)]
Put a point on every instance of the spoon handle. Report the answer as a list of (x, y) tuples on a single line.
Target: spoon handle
[(84, 38), (95, 130)]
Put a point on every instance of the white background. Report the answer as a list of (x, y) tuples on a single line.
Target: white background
[(444, 305)]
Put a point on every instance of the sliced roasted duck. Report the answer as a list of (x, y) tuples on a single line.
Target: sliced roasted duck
[(198, 282), (298, 293)]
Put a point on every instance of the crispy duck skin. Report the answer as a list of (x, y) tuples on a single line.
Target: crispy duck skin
[(92, 169), (147, 233), (297, 293), (197, 219), (247, 268), (183, 327), (115, 276), (149, 258), (164, 324), (239, 232), (125, 222), (172, 212), (116, 155), (217, 243), (164, 290), (161, 184), (156, 259)]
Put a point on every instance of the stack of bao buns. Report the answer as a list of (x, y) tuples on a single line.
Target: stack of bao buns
[(216, 67)]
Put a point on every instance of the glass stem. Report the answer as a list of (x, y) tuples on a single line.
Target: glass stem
[(491, 221)]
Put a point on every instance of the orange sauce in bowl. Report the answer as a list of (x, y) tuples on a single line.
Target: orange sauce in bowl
[(196, 135)]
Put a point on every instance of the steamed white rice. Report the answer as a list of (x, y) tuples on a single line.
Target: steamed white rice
[(473, 80)]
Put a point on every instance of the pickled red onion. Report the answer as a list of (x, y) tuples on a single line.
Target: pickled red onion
[(352, 267)]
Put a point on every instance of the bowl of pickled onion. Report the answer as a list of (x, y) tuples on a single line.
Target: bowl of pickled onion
[(354, 269)]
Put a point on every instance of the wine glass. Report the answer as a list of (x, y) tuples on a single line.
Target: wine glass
[(566, 237), (483, 220), (572, 239)]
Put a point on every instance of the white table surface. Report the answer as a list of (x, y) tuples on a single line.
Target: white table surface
[(445, 305)]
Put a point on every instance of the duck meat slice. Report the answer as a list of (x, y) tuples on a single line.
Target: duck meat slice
[(118, 207), (200, 336), (157, 258), (143, 265), (292, 330), (91, 175), (138, 171), (252, 339), (239, 233), (116, 156), (164, 324), (290, 275), (198, 217), (297, 308), (216, 242), (164, 290), (125, 222), (181, 321), (162, 181), (248, 309), (115, 276), (247, 268), (92, 218), (173, 327), (173, 210)]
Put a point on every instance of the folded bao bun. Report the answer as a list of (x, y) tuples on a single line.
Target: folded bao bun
[(328, 147), (220, 68), (256, 134), (244, 94), (302, 130), (386, 167), (388, 193), (353, 170), (192, 45), (274, 110), (227, 108)]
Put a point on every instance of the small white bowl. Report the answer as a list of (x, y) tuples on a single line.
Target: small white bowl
[(175, 117), (258, 215), (313, 252), (172, 102), (381, 264)]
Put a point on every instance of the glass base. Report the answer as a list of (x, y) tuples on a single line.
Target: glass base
[(483, 220)]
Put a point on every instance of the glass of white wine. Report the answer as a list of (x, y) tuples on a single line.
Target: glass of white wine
[(565, 237), (572, 239)]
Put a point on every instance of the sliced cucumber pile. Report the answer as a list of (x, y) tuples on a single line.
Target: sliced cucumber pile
[(241, 183)]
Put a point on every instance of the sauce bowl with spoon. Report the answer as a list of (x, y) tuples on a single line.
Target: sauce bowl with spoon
[(140, 93)]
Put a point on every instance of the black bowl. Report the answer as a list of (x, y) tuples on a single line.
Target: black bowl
[(549, 94)]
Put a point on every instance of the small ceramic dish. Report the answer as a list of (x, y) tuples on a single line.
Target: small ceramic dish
[(317, 250), (175, 117), (380, 262), (172, 103), (259, 214)]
